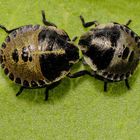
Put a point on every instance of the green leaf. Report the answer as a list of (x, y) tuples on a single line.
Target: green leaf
[(78, 109)]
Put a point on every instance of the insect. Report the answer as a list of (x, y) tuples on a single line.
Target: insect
[(36, 56), (111, 50)]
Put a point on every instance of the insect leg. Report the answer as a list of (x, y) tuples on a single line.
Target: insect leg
[(74, 39), (88, 24), (105, 86), (79, 73), (49, 88), (45, 21), (128, 22), (6, 30), (20, 91), (127, 83)]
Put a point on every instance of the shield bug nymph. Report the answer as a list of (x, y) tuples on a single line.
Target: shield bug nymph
[(37, 56), (111, 50)]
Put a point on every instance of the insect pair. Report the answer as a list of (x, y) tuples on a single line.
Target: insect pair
[(36, 56)]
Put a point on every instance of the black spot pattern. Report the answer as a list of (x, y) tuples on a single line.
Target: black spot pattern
[(136, 39), (6, 71), (1, 52), (132, 34), (1, 59), (101, 58), (121, 27), (11, 76), (24, 54), (2, 65), (7, 39), (125, 53), (30, 58), (131, 57), (25, 83), (127, 30), (105, 73), (119, 55), (15, 55), (4, 58), (3, 45), (34, 84), (110, 75), (18, 80), (122, 77), (52, 65), (138, 44)]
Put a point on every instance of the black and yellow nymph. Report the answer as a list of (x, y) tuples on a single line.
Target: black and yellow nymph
[(36, 56)]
